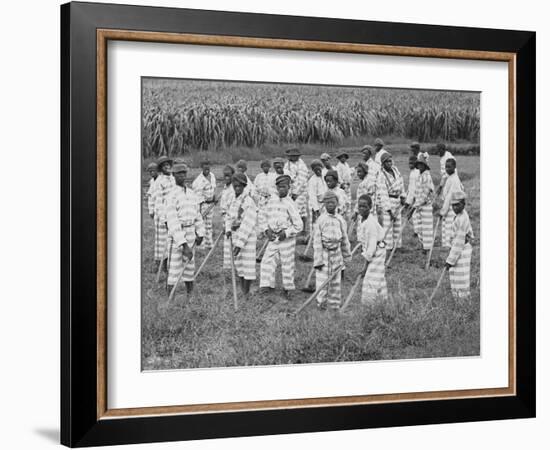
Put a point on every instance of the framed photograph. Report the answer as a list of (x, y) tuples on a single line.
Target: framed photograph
[(277, 224)]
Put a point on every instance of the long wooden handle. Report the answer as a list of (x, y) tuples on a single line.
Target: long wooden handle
[(173, 291), (159, 270), (233, 274), (433, 243), (308, 246), (354, 288), (262, 250), (438, 283), (209, 254), (395, 241)]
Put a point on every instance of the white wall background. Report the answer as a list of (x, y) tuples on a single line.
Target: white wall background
[(29, 225)]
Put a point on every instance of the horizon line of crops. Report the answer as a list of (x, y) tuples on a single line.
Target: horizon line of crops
[(180, 115)]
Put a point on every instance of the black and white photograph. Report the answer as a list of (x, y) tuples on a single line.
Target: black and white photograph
[(298, 223)]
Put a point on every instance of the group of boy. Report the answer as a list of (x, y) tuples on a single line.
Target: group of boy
[(283, 203)]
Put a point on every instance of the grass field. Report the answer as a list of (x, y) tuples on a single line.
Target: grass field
[(206, 332)]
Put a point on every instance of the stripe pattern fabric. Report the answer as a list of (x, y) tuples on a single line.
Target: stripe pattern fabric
[(460, 255)]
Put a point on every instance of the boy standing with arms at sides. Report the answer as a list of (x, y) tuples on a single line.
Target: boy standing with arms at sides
[(316, 189), (409, 197), (152, 168), (452, 185), (460, 256), (186, 228), (331, 249), (265, 187), (227, 196), (331, 179), (296, 168), (282, 225), (163, 185), (389, 188), (423, 197), (370, 235), (240, 226), (204, 186)]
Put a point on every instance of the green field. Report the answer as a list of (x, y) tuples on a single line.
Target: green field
[(206, 332)]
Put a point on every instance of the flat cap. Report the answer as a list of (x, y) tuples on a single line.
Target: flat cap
[(180, 167), (331, 173), (385, 157), (283, 179), (325, 157), (240, 178), (293, 151), (163, 159), (330, 195), (379, 141), (457, 197), (278, 160), (342, 154)]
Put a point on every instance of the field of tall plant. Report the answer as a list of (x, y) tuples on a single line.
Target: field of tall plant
[(182, 116)]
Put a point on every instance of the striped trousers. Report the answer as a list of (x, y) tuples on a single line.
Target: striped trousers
[(176, 264), (332, 293), (226, 253), (459, 274), (276, 253), (207, 218), (446, 228), (161, 235), (426, 234), (374, 284), (394, 233), (245, 261), (417, 223)]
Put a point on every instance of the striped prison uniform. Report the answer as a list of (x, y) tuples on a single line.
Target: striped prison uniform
[(370, 235), (204, 188), (282, 214), (389, 188), (345, 175), (331, 248), (460, 255), (163, 185), (409, 199), (452, 184), (241, 221), (316, 188), (378, 156), (184, 224), (149, 197), (372, 176), (265, 187), (366, 186), (442, 161), (343, 205), (423, 198), (227, 196), (298, 186)]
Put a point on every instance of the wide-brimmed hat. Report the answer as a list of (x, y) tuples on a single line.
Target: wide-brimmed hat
[(240, 178), (331, 173), (421, 159), (293, 151), (180, 167), (279, 161), (379, 141), (342, 154), (457, 197), (282, 179), (385, 157), (325, 157), (164, 159)]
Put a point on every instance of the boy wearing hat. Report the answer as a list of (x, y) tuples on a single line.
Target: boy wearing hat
[(331, 249), (162, 187), (296, 168), (345, 173), (240, 226), (389, 188), (316, 188), (204, 186), (152, 168), (422, 204), (379, 151), (367, 185), (186, 228), (452, 185), (331, 179), (373, 248), (327, 165), (282, 225), (226, 197), (460, 256), (265, 187)]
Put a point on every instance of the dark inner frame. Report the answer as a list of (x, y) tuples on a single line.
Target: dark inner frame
[(79, 423)]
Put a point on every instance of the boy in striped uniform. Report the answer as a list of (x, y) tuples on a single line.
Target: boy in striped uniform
[(367, 152), (367, 185), (296, 168), (460, 256), (327, 165), (316, 188), (345, 173), (452, 185), (278, 167), (409, 197), (186, 229), (423, 197), (242, 167), (373, 248), (282, 225), (153, 173), (331, 249), (331, 179), (240, 226), (204, 186), (389, 188), (444, 156), (227, 196), (265, 187), (163, 185), (379, 151)]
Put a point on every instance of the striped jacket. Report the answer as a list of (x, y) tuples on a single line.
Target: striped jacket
[(343, 200), (369, 234), (366, 186), (389, 184), (264, 184), (345, 173), (242, 213), (452, 184), (298, 173), (204, 187), (282, 214), (183, 215), (424, 191), (413, 180), (163, 186), (149, 196), (227, 196), (316, 188), (462, 234), (330, 234)]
